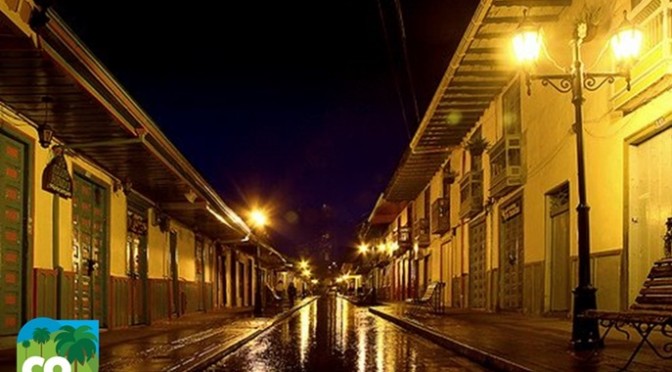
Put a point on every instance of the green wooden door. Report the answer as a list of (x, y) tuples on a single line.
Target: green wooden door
[(200, 272), (88, 235), (512, 255), (174, 274), (477, 281), (12, 230)]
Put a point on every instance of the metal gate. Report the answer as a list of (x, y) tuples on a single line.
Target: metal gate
[(12, 228), (88, 243), (477, 282), (512, 255)]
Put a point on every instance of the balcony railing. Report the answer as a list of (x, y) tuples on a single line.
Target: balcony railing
[(505, 165), (422, 232), (441, 216), (471, 193), (652, 74)]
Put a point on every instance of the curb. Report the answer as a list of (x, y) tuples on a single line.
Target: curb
[(210, 356), (480, 356)]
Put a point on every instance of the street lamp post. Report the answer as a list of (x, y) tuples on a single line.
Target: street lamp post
[(259, 220), (258, 309), (365, 250), (527, 43)]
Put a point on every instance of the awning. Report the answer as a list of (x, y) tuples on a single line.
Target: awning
[(478, 71), (91, 113), (384, 212)]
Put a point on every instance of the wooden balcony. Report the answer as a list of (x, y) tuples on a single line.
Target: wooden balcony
[(652, 74), (506, 165), (471, 193), (405, 238), (421, 227), (441, 216)]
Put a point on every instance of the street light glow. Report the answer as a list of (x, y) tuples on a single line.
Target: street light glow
[(258, 218), (363, 248), (627, 41), (526, 45), (306, 273), (303, 265)]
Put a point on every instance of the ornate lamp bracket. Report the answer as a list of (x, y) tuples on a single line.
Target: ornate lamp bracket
[(560, 82), (594, 81)]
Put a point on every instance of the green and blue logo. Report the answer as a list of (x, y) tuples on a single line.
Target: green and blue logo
[(71, 345)]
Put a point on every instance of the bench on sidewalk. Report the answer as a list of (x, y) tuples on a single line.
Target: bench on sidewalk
[(652, 310), (430, 298)]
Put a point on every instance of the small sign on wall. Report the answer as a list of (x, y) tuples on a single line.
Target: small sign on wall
[(56, 178)]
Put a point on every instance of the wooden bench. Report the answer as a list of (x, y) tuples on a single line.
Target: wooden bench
[(652, 310), (429, 298)]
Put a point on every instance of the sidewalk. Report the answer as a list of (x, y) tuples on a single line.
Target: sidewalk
[(184, 344), (515, 342)]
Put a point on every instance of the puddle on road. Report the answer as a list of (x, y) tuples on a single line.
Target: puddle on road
[(333, 335)]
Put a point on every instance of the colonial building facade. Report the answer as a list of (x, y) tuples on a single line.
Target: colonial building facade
[(101, 217), (484, 198)]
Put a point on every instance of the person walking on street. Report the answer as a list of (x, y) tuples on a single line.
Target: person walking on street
[(291, 293)]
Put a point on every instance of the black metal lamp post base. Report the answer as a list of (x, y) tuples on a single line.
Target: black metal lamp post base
[(585, 332)]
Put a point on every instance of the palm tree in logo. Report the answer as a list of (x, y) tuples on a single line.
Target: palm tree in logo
[(78, 346), (41, 336), (26, 345)]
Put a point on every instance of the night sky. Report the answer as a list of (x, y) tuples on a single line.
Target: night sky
[(289, 105)]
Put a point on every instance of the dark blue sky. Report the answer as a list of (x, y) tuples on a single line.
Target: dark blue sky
[(289, 103)]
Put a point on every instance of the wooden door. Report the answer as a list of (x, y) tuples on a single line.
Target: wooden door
[(650, 205), (250, 281), (512, 255), (12, 238), (559, 265), (89, 209), (200, 272), (136, 265), (174, 274), (477, 281)]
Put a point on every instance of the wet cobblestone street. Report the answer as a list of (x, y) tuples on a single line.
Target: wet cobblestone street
[(333, 335)]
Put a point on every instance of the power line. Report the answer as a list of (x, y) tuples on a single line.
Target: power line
[(393, 71), (407, 64)]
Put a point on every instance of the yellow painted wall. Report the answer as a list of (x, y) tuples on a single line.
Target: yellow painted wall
[(186, 248), (158, 249)]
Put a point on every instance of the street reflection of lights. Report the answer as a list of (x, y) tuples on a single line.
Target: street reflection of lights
[(380, 348), (339, 324), (361, 344), (413, 359), (345, 309), (305, 334), (313, 322)]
